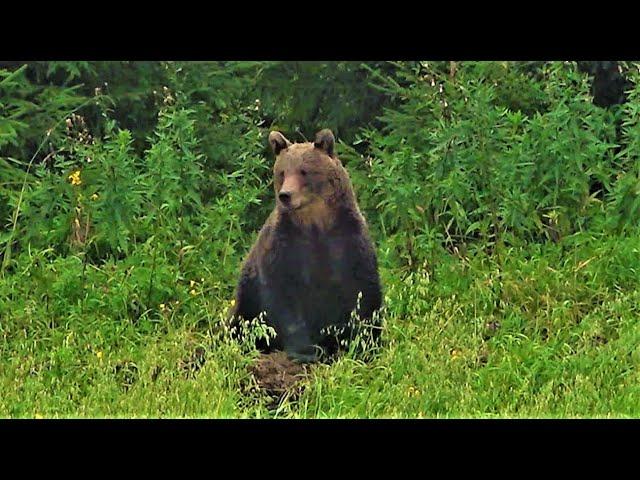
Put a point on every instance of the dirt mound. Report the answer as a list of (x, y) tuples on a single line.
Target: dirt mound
[(278, 376)]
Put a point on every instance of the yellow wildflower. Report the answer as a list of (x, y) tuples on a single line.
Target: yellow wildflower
[(75, 178), (163, 307), (99, 355), (233, 302), (94, 196), (193, 291), (413, 391), (192, 283)]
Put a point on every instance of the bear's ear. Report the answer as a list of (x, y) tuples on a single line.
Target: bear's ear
[(278, 142), (325, 141)]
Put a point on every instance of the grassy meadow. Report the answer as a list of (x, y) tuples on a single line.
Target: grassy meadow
[(503, 201)]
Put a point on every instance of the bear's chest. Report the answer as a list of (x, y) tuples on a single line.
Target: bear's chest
[(313, 263)]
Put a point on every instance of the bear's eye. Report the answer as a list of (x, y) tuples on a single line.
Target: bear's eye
[(303, 172), (281, 174)]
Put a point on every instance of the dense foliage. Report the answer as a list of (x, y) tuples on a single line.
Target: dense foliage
[(504, 202)]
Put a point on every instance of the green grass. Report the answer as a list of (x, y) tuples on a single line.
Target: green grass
[(541, 331)]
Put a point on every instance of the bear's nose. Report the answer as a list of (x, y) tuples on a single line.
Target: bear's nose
[(285, 197)]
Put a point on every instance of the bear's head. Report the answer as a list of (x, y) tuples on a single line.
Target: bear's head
[(309, 179)]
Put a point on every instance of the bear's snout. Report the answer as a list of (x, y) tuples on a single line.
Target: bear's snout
[(290, 191), (285, 198)]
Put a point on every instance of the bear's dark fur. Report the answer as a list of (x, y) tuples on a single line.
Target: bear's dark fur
[(312, 257)]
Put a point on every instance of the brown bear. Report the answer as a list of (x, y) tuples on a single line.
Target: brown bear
[(313, 257)]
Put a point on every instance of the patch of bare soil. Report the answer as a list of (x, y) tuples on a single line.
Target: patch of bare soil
[(278, 376)]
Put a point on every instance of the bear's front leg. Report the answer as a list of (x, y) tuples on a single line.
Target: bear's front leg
[(286, 315), (296, 340), (247, 304), (367, 282)]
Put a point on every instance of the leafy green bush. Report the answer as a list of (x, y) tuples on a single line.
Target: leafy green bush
[(453, 165)]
